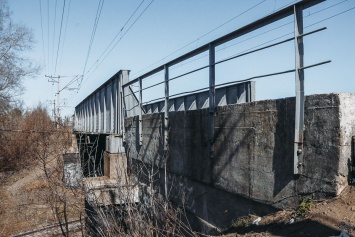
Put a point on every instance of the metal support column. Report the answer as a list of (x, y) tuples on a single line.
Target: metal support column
[(299, 114), (140, 113), (122, 113), (212, 92), (166, 108)]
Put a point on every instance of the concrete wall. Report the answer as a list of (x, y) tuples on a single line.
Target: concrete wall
[(72, 170), (251, 158)]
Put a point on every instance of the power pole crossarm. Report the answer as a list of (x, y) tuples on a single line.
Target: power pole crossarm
[(52, 79)]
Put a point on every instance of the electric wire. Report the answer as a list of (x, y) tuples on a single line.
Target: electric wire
[(75, 79), (120, 31), (237, 42), (145, 9), (258, 35), (312, 23), (189, 43), (326, 8), (48, 65), (40, 12), (60, 34), (209, 32), (65, 32), (55, 16), (338, 14), (96, 22), (245, 52)]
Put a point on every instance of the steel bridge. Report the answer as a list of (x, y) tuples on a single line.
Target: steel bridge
[(104, 111)]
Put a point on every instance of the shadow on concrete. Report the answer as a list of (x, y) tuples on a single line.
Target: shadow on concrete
[(284, 139)]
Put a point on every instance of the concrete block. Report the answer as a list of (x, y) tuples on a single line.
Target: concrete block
[(115, 167), (72, 170), (103, 192), (252, 152), (114, 144)]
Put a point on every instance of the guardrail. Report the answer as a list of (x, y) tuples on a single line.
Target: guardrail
[(105, 109), (297, 11)]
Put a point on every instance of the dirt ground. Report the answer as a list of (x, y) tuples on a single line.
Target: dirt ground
[(24, 201), (327, 218), (24, 206)]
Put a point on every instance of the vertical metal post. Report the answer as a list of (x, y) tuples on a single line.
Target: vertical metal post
[(85, 116), (58, 103), (117, 107), (299, 114), (123, 111), (212, 93), (105, 109), (166, 109), (112, 108), (140, 113), (90, 113)]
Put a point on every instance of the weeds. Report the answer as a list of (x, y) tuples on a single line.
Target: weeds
[(304, 207)]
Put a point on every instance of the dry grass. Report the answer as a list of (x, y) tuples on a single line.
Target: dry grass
[(34, 194), (37, 185)]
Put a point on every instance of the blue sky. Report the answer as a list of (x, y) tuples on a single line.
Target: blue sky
[(169, 25)]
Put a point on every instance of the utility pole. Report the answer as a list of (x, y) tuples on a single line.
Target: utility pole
[(52, 79)]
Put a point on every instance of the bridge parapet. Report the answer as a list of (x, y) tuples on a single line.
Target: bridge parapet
[(101, 112)]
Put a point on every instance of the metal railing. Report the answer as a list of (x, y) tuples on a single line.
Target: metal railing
[(297, 11), (105, 109)]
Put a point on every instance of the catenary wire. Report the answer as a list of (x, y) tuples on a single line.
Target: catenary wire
[(55, 18), (40, 12), (60, 34), (330, 16), (48, 65), (209, 32), (65, 32), (238, 55), (263, 33), (97, 18), (120, 31), (145, 9), (237, 42)]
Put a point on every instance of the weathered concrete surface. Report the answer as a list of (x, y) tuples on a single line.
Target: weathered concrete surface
[(72, 169), (115, 167), (102, 191), (252, 152)]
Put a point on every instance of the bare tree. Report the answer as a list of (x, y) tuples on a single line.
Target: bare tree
[(15, 40)]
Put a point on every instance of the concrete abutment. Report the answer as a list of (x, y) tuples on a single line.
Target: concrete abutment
[(248, 168), (251, 157)]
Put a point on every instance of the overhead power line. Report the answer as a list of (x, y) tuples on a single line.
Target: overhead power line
[(48, 36), (40, 12), (120, 31), (204, 35), (65, 33), (130, 27), (97, 19), (55, 18), (60, 34), (270, 30)]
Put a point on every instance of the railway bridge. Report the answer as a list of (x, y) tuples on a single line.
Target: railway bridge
[(227, 154)]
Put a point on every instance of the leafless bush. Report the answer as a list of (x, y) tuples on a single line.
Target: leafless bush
[(30, 140), (20, 135), (132, 208), (136, 209)]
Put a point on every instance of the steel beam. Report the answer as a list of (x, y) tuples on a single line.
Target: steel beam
[(299, 80), (140, 113), (123, 108), (212, 91), (166, 109)]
